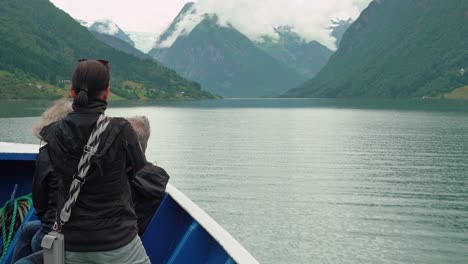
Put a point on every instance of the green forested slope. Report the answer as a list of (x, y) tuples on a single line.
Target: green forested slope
[(398, 48), (43, 43)]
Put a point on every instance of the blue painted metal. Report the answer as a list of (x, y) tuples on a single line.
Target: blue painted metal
[(229, 261), (190, 251), (166, 229), (172, 236), (18, 156)]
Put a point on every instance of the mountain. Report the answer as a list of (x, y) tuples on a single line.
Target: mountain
[(108, 27), (40, 45), (307, 58), (119, 44), (111, 34), (398, 48), (224, 61), (160, 47), (187, 9)]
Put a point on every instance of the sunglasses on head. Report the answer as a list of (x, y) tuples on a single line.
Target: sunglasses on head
[(103, 62)]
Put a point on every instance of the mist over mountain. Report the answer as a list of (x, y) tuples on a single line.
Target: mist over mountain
[(119, 44), (226, 62), (179, 26), (289, 46), (305, 57), (144, 41), (108, 27), (339, 27), (398, 48), (111, 34), (257, 19), (165, 40), (84, 23)]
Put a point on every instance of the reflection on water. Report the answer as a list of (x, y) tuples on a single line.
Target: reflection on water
[(317, 181)]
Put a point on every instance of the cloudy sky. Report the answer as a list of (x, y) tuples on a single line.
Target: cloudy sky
[(254, 18)]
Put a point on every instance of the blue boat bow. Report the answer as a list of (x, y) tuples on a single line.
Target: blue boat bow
[(180, 231)]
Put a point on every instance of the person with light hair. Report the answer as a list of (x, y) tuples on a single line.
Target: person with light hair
[(149, 183), (58, 110), (141, 126)]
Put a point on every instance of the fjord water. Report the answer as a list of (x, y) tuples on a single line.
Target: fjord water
[(314, 181)]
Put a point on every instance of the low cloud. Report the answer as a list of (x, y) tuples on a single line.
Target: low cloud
[(185, 26), (311, 19), (106, 26)]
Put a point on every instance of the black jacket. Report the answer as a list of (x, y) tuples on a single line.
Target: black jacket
[(148, 186), (103, 217)]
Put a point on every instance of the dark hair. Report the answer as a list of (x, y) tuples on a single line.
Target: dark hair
[(90, 78)]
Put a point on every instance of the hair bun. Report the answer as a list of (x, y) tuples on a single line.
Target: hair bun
[(81, 99)]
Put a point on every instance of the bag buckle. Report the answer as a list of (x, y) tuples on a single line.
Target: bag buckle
[(79, 179), (90, 149), (57, 227)]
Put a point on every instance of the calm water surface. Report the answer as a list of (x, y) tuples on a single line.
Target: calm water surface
[(313, 181)]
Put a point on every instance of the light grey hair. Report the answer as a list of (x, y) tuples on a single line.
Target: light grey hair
[(58, 110), (61, 108), (141, 126)]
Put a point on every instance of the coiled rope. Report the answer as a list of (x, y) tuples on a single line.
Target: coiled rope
[(12, 214)]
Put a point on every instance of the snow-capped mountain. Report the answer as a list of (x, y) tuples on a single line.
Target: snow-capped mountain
[(222, 59), (135, 43), (307, 57), (182, 24), (144, 41), (108, 27)]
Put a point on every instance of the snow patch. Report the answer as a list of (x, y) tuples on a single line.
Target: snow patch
[(86, 24), (106, 26), (144, 41), (183, 28), (257, 19)]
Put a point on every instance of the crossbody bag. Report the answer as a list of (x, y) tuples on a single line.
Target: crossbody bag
[(53, 243)]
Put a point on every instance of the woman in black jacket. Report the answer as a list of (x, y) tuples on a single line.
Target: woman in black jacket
[(103, 225)]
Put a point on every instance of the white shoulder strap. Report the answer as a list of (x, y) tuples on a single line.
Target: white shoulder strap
[(90, 149)]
